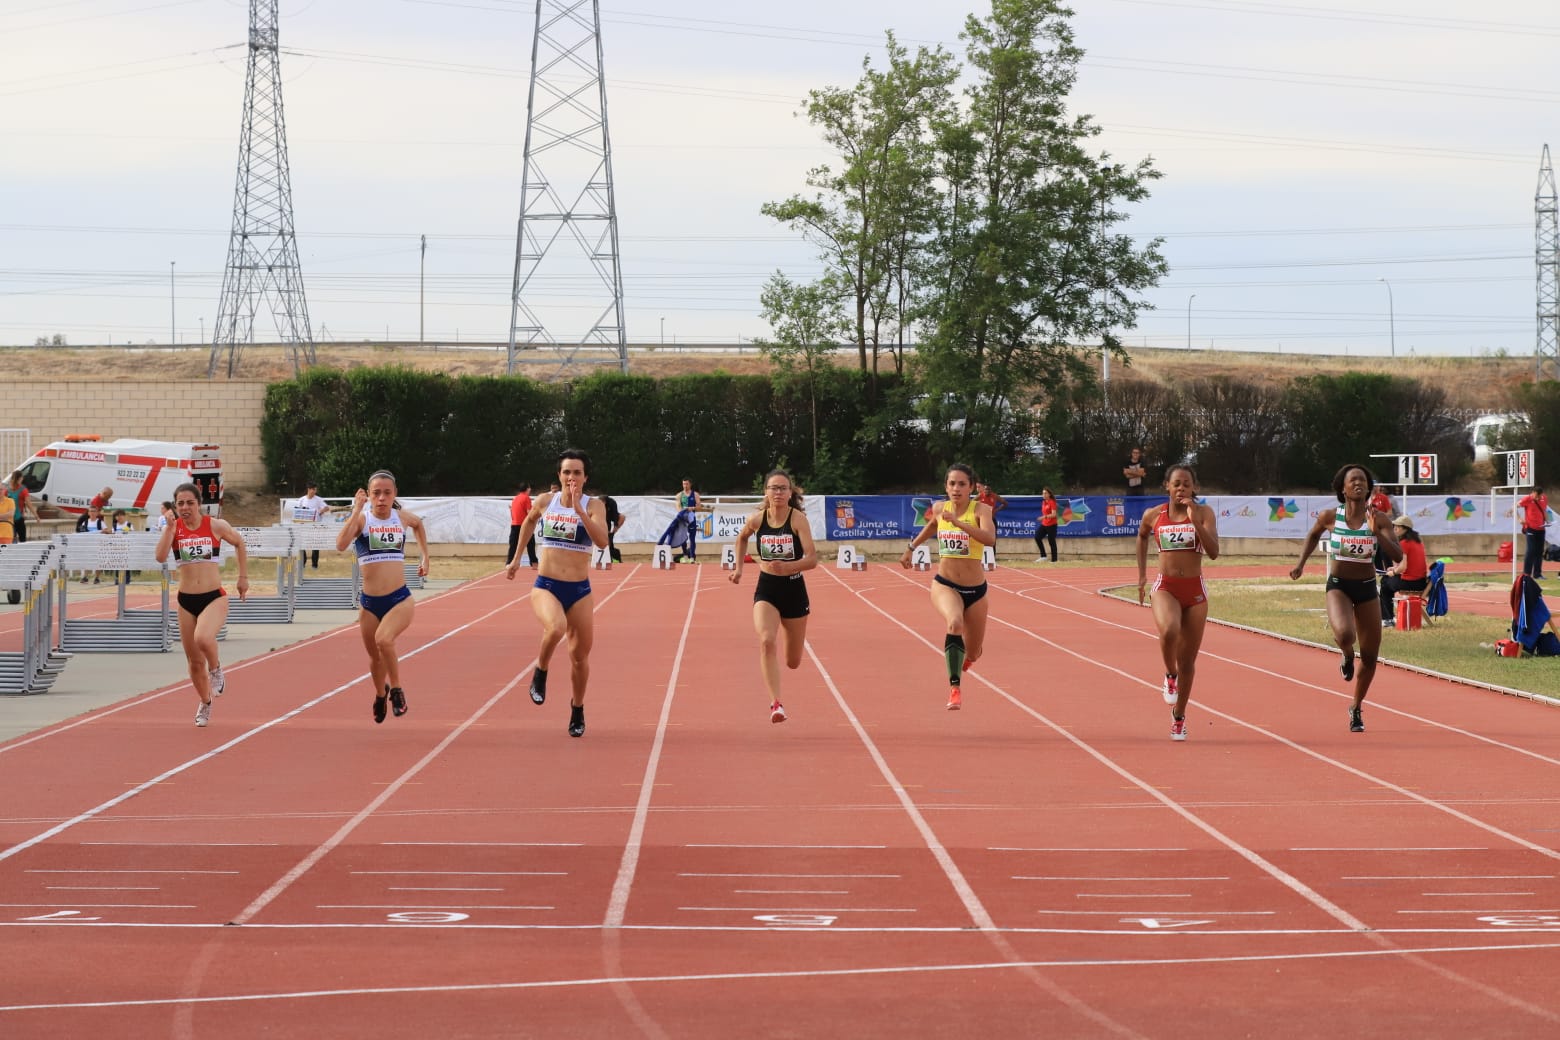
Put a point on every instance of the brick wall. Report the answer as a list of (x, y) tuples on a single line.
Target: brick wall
[(212, 411)]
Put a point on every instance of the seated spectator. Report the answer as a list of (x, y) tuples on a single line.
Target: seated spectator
[(1410, 574)]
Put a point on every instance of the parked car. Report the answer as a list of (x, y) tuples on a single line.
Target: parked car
[(1484, 434)]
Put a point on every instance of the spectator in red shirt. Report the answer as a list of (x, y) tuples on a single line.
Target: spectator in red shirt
[(102, 499), (519, 507), (1045, 530), (1410, 574), (1535, 517)]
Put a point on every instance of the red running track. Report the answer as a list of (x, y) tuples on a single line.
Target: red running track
[(1045, 862)]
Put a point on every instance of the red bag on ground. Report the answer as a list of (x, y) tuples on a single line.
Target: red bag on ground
[(1503, 554)]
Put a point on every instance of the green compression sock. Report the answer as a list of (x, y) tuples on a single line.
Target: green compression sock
[(953, 653)]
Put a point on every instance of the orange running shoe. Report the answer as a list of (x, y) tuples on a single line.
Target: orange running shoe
[(955, 701)]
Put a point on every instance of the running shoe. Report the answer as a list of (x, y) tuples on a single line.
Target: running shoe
[(538, 686), (1346, 667), (777, 712), (1356, 721), (203, 714), (380, 703), (576, 720), (397, 701), (218, 681), (1169, 690), (1177, 729), (955, 699)]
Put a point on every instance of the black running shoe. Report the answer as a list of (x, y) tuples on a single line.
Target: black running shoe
[(397, 700), (538, 686), (576, 720), (1346, 667), (380, 703), (1356, 721)]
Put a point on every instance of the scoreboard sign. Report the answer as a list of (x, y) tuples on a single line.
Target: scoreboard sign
[(1418, 469), (1519, 468)]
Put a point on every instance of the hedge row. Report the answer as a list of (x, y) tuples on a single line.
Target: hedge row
[(468, 435)]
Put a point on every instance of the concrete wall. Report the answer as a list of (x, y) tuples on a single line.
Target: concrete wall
[(215, 411)]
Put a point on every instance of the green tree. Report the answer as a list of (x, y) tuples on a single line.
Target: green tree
[(870, 217), (808, 326), (1028, 262)]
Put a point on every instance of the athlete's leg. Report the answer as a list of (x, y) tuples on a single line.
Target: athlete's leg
[(1367, 618), (368, 627), (795, 630), (582, 634), (975, 631), (554, 624), (766, 622), (1168, 618), (390, 626), (1194, 621), (951, 606), (200, 675), (1340, 617)]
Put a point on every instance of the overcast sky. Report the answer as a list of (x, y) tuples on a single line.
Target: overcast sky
[(1309, 151)]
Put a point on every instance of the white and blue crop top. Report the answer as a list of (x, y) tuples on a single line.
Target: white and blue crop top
[(381, 541), (562, 527), (1357, 545)]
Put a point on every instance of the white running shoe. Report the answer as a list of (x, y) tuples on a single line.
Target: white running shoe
[(203, 714), (218, 681), (1168, 688), (1177, 729)]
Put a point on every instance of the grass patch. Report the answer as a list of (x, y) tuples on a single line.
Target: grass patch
[(1451, 645)]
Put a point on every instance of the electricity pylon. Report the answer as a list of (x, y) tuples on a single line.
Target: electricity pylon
[(1546, 354)]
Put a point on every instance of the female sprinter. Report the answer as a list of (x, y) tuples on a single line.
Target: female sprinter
[(567, 524), (785, 550), (1354, 531), (962, 527), (1184, 531), (376, 530), (196, 543)]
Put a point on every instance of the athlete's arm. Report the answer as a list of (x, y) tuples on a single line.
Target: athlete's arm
[(225, 531), (1323, 522), (1386, 539), (1207, 530), (526, 530), (414, 522), (742, 543), (1145, 528), (925, 534), (809, 556), (595, 521), (165, 543), (354, 525)]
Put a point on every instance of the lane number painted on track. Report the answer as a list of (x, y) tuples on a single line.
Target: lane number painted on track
[(1155, 923), (1524, 921), (61, 915), (426, 917), (797, 920)]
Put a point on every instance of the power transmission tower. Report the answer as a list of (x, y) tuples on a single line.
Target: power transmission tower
[(566, 248), (1546, 355), (262, 263)]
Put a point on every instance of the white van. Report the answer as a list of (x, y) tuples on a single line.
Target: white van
[(1483, 432), (141, 474)]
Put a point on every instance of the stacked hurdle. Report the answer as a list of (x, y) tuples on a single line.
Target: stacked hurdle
[(269, 543), (29, 569), (325, 593), (129, 631)]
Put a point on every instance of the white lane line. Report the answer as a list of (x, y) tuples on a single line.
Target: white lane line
[(232, 670), (188, 844), (1045, 877), (219, 749), (415, 906), (427, 888), (1448, 877), (807, 909), (1133, 895), (813, 876), (791, 891), (86, 871), (307, 863), (617, 903), (999, 848), (103, 888), (1524, 911), (1179, 912), (96, 906), (1475, 895), (1401, 848), (961, 885), (494, 844), (734, 845), (823, 973), (461, 873), (1283, 877)]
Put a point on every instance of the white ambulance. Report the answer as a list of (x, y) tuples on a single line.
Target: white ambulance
[(140, 474)]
